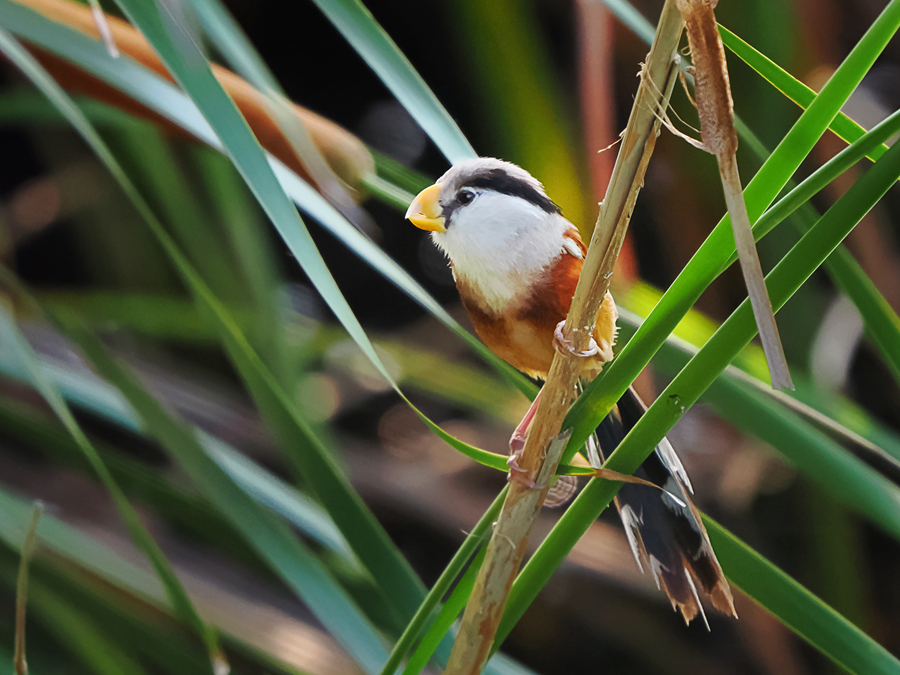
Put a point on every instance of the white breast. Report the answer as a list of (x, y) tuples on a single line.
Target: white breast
[(500, 244)]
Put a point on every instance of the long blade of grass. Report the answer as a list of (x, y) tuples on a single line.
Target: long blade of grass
[(270, 536), (683, 391), (231, 41), (836, 416), (301, 570), (363, 532), (800, 610), (746, 403), (441, 624), (369, 39), (192, 71), (17, 54), (177, 594), (134, 395), (880, 319), (90, 393), (794, 89), (709, 259), (162, 97), (751, 406)]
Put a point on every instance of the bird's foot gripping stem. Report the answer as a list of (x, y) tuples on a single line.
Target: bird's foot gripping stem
[(561, 490), (517, 444), (519, 475), (520, 435), (562, 344)]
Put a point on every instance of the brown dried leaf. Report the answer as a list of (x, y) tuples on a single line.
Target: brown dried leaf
[(716, 109)]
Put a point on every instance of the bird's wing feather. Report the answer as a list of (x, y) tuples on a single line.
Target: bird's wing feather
[(663, 526)]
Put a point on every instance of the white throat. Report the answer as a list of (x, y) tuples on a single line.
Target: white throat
[(499, 245)]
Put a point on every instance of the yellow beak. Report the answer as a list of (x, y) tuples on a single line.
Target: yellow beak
[(425, 211)]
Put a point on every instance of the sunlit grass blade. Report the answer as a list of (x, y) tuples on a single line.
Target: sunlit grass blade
[(803, 444), (800, 195), (880, 319), (709, 259), (177, 594), (692, 381), (367, 37), (825, 411), (797, 608)]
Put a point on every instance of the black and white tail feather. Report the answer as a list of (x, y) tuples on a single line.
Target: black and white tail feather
[(663, 526)]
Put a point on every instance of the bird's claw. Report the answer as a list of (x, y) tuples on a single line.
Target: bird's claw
[(519, 475), (561, 343), (517, 443)]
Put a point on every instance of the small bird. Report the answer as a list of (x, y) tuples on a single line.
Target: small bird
[(516, 261)]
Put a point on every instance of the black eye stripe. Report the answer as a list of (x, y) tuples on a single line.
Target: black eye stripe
[(500, 181)]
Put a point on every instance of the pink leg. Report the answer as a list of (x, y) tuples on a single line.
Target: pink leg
[(517, 445), (520, 435)]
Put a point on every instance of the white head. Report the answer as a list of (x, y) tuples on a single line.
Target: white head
[(496, 224)]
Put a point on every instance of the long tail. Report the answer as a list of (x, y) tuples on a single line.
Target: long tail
[(663, 526)]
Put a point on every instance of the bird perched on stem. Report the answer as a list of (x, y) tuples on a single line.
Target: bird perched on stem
[(516, 261)]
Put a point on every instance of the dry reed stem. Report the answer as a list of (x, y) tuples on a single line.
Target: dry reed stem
[(545, 441), (714, 104)]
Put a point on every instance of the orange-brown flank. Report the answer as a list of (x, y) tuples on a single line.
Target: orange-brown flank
[(524, 337)]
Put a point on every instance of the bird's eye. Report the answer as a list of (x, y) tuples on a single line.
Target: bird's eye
[(465, 196)]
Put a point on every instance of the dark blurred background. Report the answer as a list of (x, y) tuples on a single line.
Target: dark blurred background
[(548, 85)]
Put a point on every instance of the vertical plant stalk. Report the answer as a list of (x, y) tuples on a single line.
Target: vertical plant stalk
[(716, 108), (27, 551), (545, 440)]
